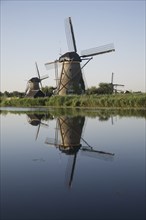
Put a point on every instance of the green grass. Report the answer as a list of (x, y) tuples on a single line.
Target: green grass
[(85, 101)]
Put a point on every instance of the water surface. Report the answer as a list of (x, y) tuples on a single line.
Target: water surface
[(62, 166)]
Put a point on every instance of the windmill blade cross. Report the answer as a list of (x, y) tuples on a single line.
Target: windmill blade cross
[(51, 65), (38, 74), (54, 65), (37, 70), (70, 35), (118, 85), (98, 50), (44, 77), (112, 78)]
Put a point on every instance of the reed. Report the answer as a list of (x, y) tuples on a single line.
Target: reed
[(85, 101)]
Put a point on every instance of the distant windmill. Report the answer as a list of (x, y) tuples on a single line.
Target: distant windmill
[(114, 86), (71, 79), (70, 131), (33, 87)]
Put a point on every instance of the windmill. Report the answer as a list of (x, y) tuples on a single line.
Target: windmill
[(33, 85), (114, 86), (71, 78), (70, 131)]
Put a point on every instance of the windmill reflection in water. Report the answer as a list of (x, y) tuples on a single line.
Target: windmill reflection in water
[(36, 120), (69, 142)]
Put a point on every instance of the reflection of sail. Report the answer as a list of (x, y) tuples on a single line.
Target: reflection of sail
[(35, 120), (70, 169), (90, 152), (70, 129)]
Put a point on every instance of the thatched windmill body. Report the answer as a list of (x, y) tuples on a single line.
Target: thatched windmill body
[(71, 79), (33, 86)]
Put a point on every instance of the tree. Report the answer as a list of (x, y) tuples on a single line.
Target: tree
[(105, 88), (6, 94), (91, 91), (48, 90), (15, 94)]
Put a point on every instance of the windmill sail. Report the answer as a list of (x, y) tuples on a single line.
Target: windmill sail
[(44, 77), (70, 35), (51, 65), (71, 80), (37, 70), (38, 74), (97, 50), (112, 78), (118, 84)]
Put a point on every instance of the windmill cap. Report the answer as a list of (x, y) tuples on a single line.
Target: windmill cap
[(70, 56), (35, 79)]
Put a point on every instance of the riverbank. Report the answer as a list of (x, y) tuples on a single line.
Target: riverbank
[(131, 100)]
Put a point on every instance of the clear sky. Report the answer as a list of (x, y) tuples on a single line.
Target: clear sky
[(34, 31)]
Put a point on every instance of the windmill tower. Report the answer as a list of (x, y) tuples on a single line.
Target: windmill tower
[(71, 79), (114, 86), (33, 86)]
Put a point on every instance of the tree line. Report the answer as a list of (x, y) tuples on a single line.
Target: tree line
[(103, 88)]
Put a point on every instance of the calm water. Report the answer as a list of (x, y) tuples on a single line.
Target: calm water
[(62, 166)]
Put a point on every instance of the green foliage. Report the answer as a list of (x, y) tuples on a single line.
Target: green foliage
[(91, 91), (12, 94), (48, 90), (90, 101), (104, 88), (23, 102)]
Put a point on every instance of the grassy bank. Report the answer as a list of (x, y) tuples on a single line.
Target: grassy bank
[(86, 101)]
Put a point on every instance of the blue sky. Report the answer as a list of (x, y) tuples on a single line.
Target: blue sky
[(34, 31)]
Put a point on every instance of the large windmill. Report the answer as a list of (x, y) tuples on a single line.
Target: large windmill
[(33, 86), (71, 79)]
